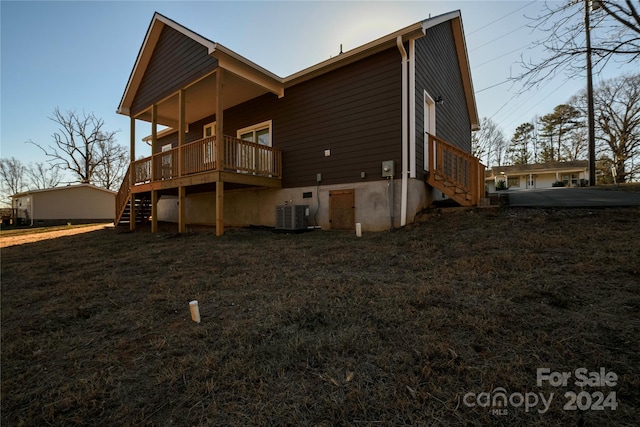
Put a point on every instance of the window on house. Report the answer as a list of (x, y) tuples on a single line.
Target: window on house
[(251, 159), (513, 181), (209, 148), (167, 162), (260, 133)]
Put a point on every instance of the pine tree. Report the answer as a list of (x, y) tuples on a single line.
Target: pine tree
[(518, 152), (559, 126)]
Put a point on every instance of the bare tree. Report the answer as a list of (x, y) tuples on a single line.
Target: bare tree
[(489, 144), (110, 172), (615, 35), (617, 114), (41, 176), (79, 145), (12, 174)]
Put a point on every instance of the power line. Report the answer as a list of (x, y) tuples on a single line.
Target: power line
[(544, 98), (498, 38), (492, 86), (498, 19), (502, 56)]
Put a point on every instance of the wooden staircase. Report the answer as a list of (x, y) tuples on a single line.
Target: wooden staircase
[(454, 172), (142, 206)]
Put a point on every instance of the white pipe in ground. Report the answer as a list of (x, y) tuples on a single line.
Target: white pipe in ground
[(195, 311)]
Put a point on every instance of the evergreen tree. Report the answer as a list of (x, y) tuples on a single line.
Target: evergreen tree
[(558, 129), (518, 152)]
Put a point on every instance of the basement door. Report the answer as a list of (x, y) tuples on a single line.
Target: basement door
[(342, 210)]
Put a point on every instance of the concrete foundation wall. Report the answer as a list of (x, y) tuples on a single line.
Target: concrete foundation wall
[(257, 207)]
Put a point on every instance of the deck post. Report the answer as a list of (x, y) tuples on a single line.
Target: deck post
[(154, 137), (132, 174), (181, 128), (219, 208), (182, 209), (219, 121), (219, 153), (154, 211), (181, 190)]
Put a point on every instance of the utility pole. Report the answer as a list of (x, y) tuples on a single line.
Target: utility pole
[(590, 109)]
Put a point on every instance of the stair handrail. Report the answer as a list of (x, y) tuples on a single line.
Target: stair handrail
[(123, 195), (457, 167)]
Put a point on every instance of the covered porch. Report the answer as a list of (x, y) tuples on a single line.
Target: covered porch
[(190, 168), (182, 85)]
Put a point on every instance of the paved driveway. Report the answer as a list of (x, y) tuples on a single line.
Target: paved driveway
[(572, 197)]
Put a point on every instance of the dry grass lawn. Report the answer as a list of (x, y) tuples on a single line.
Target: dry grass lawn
[(323, 328)]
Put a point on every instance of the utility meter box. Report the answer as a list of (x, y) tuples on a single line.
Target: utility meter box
[(388, 169)]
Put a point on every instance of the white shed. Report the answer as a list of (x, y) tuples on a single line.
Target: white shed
[(81, 203)]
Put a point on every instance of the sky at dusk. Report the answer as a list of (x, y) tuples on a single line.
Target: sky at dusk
[(78, 55)]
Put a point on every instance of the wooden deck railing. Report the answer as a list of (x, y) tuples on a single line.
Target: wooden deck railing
[(200, 156), (239, 156), (249, 157), (458, 173)]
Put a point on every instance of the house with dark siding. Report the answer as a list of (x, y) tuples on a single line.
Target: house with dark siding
[(371, 136)]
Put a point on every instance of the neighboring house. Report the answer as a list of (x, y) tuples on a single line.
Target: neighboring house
[(540, 175), (81, 203), (364, 137)]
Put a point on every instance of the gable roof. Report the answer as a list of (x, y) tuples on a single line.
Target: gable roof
[(67, 187), (234, 62), (226, 57)]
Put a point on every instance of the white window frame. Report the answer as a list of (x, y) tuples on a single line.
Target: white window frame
[(257, 127), (250, 156), (209, 154), (429, 120), (166, 162), (212, 126)]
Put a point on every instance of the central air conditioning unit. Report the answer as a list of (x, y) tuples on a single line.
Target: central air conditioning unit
[(291, 217)]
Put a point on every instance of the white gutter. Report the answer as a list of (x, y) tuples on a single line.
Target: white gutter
[(405, 142), (412, 108)]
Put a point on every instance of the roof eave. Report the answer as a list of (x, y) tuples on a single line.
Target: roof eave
[(463, 60), (146, 50), (411, 32)]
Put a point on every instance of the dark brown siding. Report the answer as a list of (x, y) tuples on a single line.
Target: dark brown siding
[(255, 111), (438, 72), (354, 111), (176, 61)]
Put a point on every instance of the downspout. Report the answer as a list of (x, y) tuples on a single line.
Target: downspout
[(405, 142), (412, 108)]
